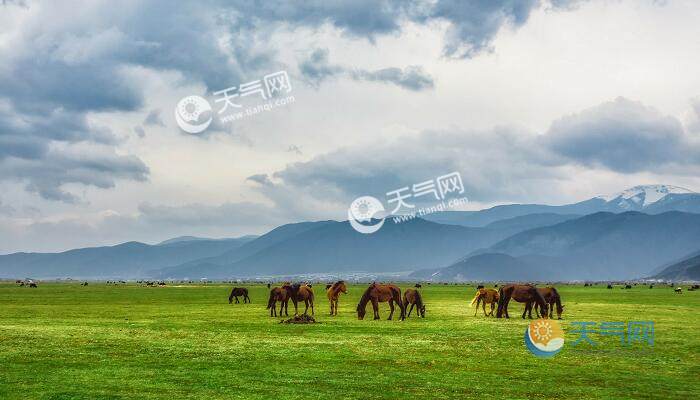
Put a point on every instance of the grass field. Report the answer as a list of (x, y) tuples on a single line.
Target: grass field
[(64, 341)]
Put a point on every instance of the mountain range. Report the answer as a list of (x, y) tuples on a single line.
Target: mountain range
[(630, 234)]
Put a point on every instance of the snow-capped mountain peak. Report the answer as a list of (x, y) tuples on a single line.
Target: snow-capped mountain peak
[(644, 195)]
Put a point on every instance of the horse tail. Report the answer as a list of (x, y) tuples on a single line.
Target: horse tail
[(476, 296), (397, 294), (501, 302)]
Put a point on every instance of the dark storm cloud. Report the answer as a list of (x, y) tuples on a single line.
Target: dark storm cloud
[(623, 135), (62, 65), (496, 165), (317, 68)]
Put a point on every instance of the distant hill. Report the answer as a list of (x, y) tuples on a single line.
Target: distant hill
[(336, 247), (490, 267), (650, 199), (127, 260), (607, 245), (685, 270)]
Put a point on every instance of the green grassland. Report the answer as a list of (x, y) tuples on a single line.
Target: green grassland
[(65, 341)]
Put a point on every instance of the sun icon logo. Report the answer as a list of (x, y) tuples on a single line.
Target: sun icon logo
[(544, 337), (188, 112), (364, 210)]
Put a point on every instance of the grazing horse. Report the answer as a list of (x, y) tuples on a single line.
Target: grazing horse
[(299, 292), (521, 294), (282, 295), (551, 296), (678, 290), (380, 293), (333, 292), (239, 291), (413, 297), (485, 296)]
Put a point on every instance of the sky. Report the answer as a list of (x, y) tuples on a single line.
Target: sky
[(547, 102)]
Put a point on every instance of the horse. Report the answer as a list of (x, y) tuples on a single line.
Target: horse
[(239, 291), (413, 297), (551, 296), (678, 290), (380, 293), (278, 294), (333, 292), (521, 294), (417, 286), (299, 292), (485, 296)]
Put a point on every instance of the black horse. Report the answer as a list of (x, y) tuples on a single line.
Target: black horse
[(239, 291)]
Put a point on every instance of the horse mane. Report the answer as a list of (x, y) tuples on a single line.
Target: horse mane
[(335, 285), (364, 299)]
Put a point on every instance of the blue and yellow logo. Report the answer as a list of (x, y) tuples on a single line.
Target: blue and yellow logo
[(544, 338)]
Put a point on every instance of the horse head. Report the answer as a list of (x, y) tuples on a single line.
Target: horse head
[(422, 310)]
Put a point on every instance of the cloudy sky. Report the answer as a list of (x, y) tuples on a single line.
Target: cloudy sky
[(531, 101)]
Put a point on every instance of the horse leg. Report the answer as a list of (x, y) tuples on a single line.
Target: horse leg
[(312, 306), (391, 307), (476, 309), (409, 310), (493, 307), (306, 303), (505, 307), (375, 307), (331, 301), (237, 302), (483, 306), (336, 307)]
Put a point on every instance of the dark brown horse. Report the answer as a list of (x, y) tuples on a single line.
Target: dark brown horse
[(239, 291), (278, 294), (380, 293), (333, 292), (551, 296), (521, 294), (299, 292), (413, 297)]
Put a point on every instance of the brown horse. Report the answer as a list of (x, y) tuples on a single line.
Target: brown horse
[(413, 297), (380, 293), (485, 296), (551, 296), (521, 294), (239, 291), (278, 294), (333, 292), (299, 292)]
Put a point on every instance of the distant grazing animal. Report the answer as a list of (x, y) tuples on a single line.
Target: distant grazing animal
[(481, 287), (651, 286), (333, 292), (268, 285), (414, 298), (609, 286), (628, 286), (679, 290), (328, 286), (696, 287), (239, 291), (522, 294), (381, 293), (485, 296), (84, 284), (278, 294), (551, 296), (417, 286), (32, 284), (299, 292)]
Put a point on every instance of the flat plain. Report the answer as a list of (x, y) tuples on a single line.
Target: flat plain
[(66, 341)]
